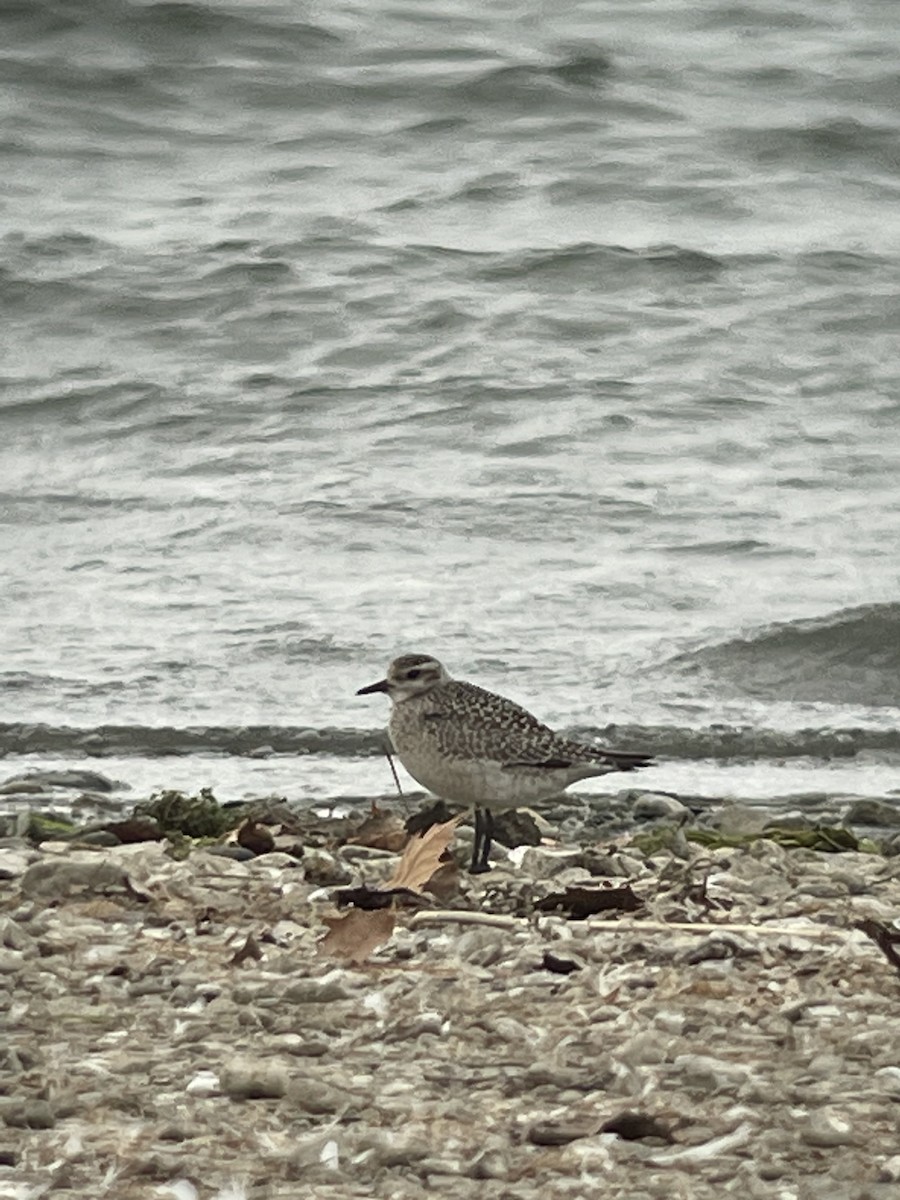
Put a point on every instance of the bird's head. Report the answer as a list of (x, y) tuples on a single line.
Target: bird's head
[(408, 676)]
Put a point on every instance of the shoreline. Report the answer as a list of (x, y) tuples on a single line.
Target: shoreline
[(174, 1025)]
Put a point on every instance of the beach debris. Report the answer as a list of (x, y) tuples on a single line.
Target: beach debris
[(354, 935), (559, 966), (885, 937), (383, 830), (199, 816), (256, 837), (431, 814), (579, 902), (694, 1155), (635, 1126), (832, 839), (134, 829), (422, 856)]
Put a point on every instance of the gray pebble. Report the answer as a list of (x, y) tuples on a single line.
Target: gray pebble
[(254, 1081), (650, 806), (27, 1114), (827, 1129), (873, 812), (316, 991), (59, 877), (317, 1097)]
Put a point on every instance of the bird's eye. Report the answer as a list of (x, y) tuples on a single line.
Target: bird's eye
[(413, 674)]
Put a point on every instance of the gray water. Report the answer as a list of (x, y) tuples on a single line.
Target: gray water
[(560, 343)]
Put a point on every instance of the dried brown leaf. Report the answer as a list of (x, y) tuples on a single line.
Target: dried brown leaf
[(422, 856), (383, 831), (444, 883), (353, 935), (256, 837)]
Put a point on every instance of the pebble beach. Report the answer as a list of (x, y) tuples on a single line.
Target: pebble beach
[(175, 1029)]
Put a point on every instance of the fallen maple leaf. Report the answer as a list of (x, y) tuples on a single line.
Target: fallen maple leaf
[(354, 935), (422, 857)]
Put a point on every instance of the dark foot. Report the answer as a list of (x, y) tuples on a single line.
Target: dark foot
[(480, 868)]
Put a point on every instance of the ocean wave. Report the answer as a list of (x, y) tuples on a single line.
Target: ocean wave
[(722, 743), (847, 657), (589, 258)]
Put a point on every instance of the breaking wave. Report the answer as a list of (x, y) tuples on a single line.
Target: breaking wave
[(847, 657)]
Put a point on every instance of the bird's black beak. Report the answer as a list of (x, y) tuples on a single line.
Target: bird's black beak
[(380, 686)]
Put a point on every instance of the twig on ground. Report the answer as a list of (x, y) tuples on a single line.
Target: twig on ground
[(447, 916), (811, 931)]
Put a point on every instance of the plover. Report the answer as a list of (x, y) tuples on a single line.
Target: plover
[(474, 747)]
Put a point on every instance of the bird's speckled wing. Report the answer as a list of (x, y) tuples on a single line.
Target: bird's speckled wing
[(466, 721)]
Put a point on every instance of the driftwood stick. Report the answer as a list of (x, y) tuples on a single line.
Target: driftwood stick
[(448, 916), (442, 916), (702, 927)]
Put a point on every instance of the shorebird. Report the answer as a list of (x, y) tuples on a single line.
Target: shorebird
[(474, 747)]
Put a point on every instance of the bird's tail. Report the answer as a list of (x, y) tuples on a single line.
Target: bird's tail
[(625, 760)]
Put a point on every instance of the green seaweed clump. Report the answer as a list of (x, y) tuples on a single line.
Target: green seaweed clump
[(48, 827), (831, 839), (199, 816)]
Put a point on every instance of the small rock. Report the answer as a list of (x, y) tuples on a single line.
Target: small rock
[(276, 860), (649, 806), (235, 853), (827, 1129), (10, 961), (873, 812), (204, 1084), (27, 1114), (317, 1097), (739, 820), (821, 889), (254, 1081), (99, 837), (562, 1131), (889, 1171), (516, 828), (544, 862), (702, 1072), (316, 991), (84, 781), (21, 786), (392, 1147), (490, 1164), (324, 870), (13, 863), (13, 936), (889, 1080), (56, 878), (719, 946)]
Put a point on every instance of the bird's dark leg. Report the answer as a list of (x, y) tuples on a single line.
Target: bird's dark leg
[(488, 833), (481, 847), (476, 844)]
